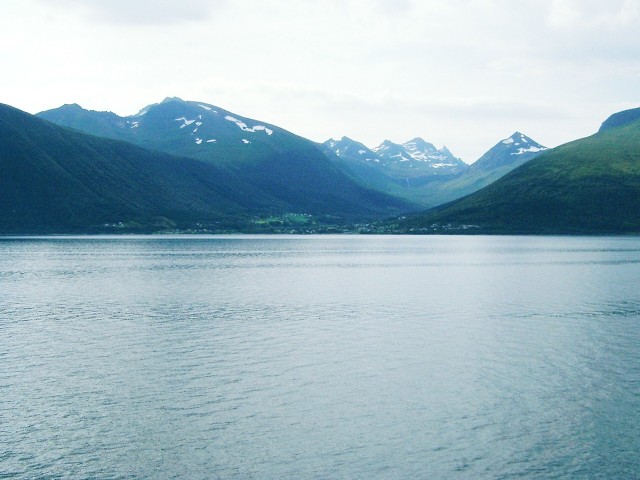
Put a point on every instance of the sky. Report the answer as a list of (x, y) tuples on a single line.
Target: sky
[(460, 73)]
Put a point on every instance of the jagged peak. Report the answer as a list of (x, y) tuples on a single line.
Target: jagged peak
[(417, 141), (518, 137)]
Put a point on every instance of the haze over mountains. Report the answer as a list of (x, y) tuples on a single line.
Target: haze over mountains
[(191, 166)]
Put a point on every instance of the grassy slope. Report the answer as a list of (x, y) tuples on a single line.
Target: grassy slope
[(590, 185), (53, 179), (288, 171)]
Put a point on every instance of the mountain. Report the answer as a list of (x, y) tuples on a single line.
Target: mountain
[(289, 172), (392, 153), (440, 161), (621, 118), (101, 124), (588, 186), (412, 159), (178, 127), (502, 158), (419, 172), (351, 150), (58, 180), (507, 154), (404, 170)]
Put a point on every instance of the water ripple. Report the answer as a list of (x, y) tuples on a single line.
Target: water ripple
[(330, 357)]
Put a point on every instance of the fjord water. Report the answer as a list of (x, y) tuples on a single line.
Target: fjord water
[(320, 357)]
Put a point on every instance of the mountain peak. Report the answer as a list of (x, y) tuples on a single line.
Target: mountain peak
[(583, 187), (72, 106), (509, 153), (621, 118), (172, 99), (518, 139)]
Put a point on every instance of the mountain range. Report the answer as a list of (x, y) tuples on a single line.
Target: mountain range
[(417, 171), (342, 178), (289, 173), (56, 179), (191, 166), (415, 158), (591, 185)]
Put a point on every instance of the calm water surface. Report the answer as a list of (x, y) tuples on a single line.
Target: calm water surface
[(320, 357)]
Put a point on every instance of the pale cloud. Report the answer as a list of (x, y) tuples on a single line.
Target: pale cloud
[(461, 72), (594, 13), (392, 6), (141, 12)]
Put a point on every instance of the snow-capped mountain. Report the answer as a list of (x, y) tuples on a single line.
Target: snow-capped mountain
[(440, 159), (349, 149), (172, 124), (508, 154), (419, 171), (415, 158), (392, 153), (523, 144)]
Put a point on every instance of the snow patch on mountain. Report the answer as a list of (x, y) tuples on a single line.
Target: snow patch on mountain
[(529, 149), (423, 151), (185, 121), (245, 128), (521, 144), (415, 154), (259, 128)]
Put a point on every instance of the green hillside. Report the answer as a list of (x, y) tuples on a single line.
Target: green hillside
[(621, 118), (56, 180), (590, 185), (289, 172)]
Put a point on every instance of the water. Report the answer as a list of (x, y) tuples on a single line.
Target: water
[(320, 357)]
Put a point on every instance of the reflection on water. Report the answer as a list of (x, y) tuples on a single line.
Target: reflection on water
[(347, 357)]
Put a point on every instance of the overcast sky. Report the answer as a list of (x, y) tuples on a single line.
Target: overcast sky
[(460, 73)]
